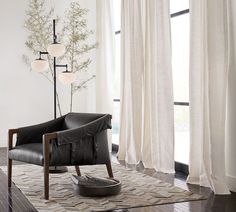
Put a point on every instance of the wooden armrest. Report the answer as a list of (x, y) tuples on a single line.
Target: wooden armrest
[(11, 132), (46, 140), (49, 136)]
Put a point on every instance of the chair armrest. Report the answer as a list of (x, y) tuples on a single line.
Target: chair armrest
[(46, 141), (11, 132), (49, 136), (35, 133), (86, 130)]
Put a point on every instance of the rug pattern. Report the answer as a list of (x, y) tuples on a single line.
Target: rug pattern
[(138, 190)]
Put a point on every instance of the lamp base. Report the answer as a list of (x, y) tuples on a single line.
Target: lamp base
[(57, 169)]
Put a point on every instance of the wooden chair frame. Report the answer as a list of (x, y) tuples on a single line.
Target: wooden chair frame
[(47, 138)]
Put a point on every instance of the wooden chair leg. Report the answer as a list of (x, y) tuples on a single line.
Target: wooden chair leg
[(109, 170), (46, 166), (9, 172), (46, 182), (78, 170), (11, 132)]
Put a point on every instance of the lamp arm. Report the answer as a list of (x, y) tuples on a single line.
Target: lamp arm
[(41, 53), (63, 66)]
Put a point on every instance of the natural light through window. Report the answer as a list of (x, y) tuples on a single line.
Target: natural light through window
[(116, 103), (180, 67)]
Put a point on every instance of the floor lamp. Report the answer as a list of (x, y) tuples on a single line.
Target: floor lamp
[(66, 77)]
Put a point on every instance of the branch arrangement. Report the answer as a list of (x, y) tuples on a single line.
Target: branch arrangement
[(74, 36)]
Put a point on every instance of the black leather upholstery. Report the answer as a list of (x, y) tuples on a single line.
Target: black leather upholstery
[(74, 120), (79, 131), (82, 140), (29, 153), (34, 134)]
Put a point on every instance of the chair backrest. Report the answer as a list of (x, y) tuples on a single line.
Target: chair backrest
[(74, 120)]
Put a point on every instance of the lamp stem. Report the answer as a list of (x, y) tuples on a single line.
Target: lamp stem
[(55, 87), (54, 70), (54, 31)]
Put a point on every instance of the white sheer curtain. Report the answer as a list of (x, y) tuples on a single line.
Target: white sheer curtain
[(231, 101), (158, 138), (147, 129), (104, 57), (132, 65), (208, 82)]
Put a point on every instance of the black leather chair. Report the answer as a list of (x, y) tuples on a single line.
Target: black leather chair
[(72, 140)]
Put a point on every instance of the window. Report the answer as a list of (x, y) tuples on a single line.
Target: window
[(116, 102), (179, 10), (180, 67)]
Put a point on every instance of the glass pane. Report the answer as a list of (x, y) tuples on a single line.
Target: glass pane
[(178, 5), (116, 123), (182, 134), (180, 57), (117, 14), (116, 89)]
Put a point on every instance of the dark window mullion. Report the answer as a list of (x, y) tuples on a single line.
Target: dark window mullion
[(182, 12), (181, 103), (117, 32), (175, 103)]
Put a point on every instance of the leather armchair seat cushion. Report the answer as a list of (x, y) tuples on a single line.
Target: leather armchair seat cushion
[(33, 153), (28, 153)]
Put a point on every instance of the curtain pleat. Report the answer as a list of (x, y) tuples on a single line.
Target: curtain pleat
[(208, 82), (147, 116), (132, 63), (104, 58)]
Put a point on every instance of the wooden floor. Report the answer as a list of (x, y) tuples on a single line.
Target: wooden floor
[(13, 200)]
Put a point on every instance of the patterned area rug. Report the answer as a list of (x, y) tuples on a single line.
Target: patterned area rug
[(137, 190)]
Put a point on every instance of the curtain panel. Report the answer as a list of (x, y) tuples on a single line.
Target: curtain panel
[(208, 91), (105, 58), (147, 114), (231, 100)]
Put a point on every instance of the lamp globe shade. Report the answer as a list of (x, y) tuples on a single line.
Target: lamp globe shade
[(56, 49), (40, 65), (67, 77)]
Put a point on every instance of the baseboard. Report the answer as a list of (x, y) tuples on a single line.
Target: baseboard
[(182, 168), (231, 181), (3, 143)]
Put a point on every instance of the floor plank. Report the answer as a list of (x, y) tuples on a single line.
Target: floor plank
[(12, 199)]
